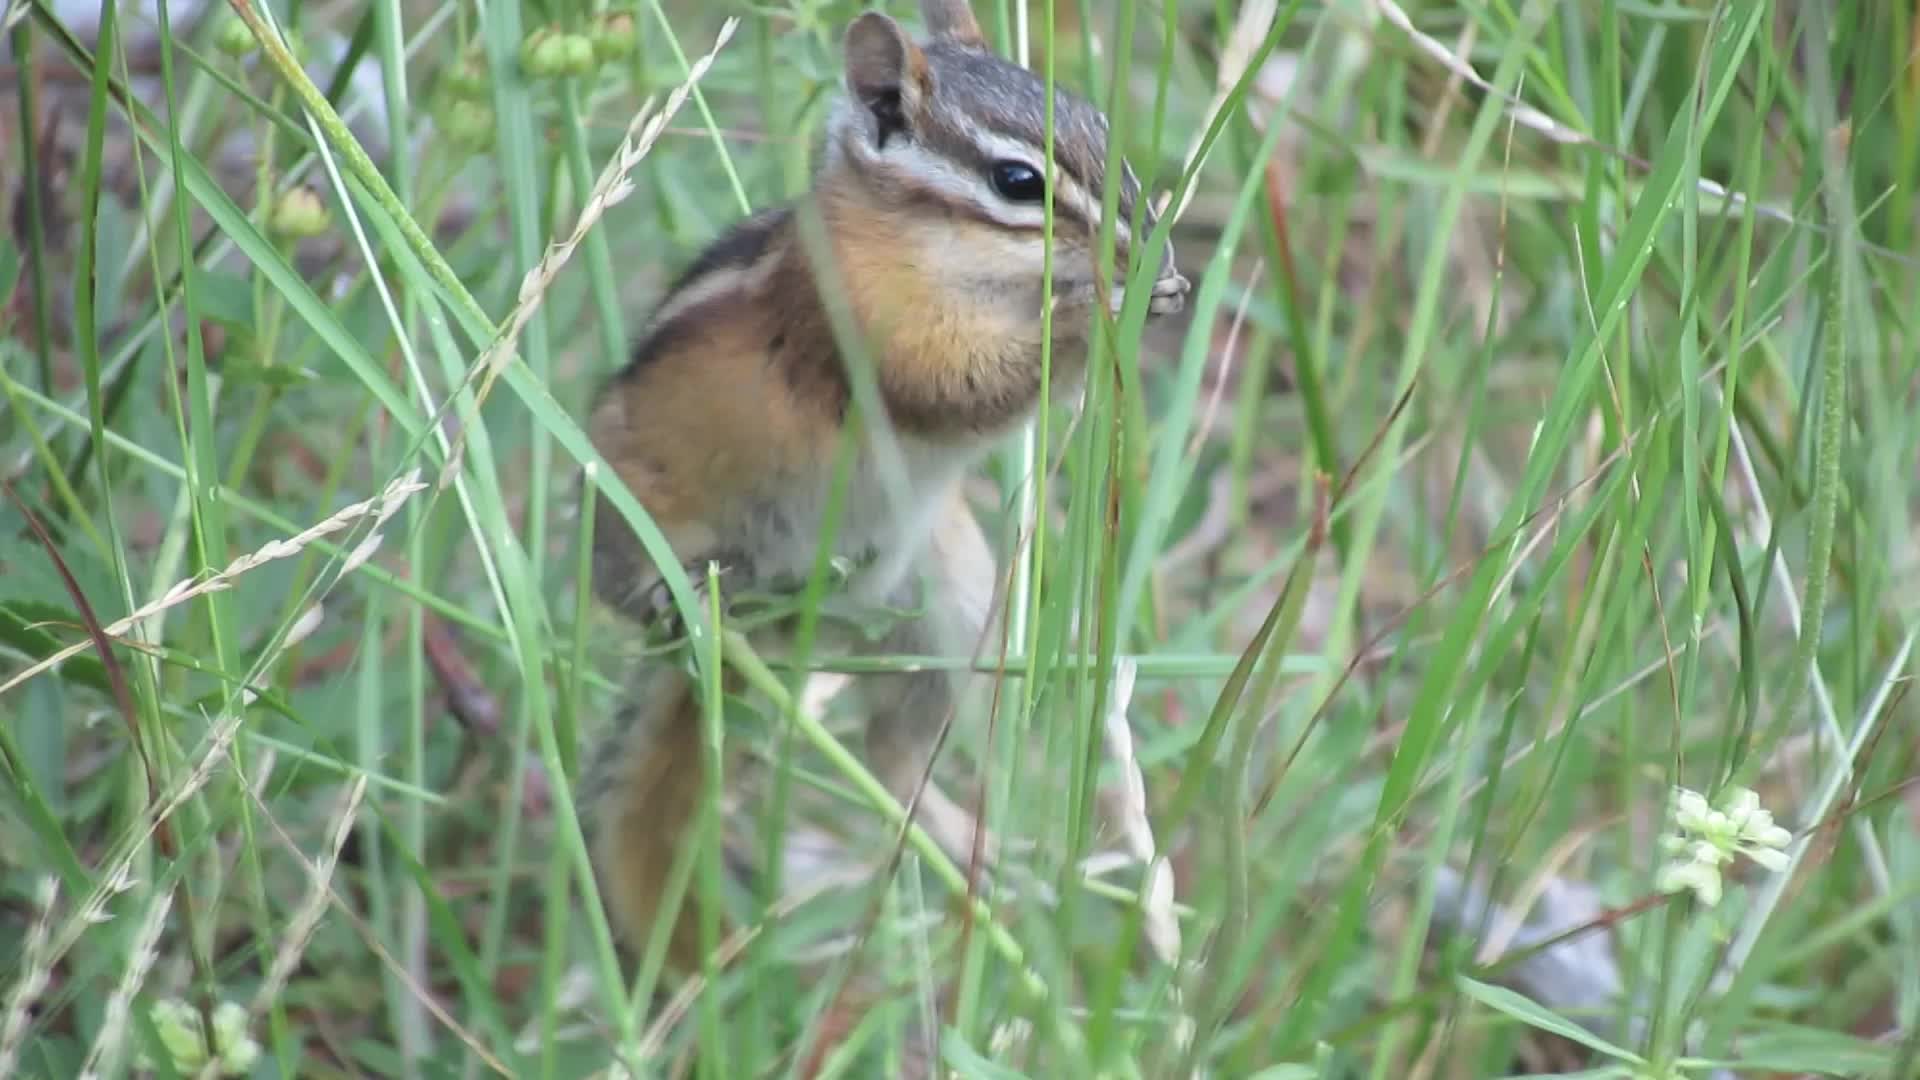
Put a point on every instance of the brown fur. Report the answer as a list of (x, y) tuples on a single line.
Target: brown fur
[(951, 365), (649, 793)]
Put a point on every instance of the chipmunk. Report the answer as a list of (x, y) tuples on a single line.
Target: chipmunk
[(727, 422)]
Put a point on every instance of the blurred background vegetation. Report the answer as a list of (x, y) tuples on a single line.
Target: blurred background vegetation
[(1541, 440)]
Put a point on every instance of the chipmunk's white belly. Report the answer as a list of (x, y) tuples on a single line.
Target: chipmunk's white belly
[(887, 510)]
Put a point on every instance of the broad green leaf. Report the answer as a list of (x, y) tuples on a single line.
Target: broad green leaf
[(1529, 1012), (1781, 1047)]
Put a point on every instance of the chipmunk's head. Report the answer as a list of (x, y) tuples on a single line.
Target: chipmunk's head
[(948, 140)]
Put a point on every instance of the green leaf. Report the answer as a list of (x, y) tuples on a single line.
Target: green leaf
[(242, 366), (967, 1062), (23, 626), (223, 297), (42, 736), (1790, 1048), (1602, 1073), (1529, 1012), (10, 262)]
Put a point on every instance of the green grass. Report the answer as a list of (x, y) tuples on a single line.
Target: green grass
[(1503, 476)]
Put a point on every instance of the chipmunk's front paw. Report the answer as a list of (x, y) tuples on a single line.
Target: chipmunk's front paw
[(661, 610), (1169, 295)]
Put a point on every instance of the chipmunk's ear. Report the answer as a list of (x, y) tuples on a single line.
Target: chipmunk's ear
[(953, 20), (886, 73)]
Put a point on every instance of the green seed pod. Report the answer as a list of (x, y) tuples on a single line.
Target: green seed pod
[(615, 36), (469, 124), (580, 59), (543, 53), (467, 77), (233, 37), (299, 214)]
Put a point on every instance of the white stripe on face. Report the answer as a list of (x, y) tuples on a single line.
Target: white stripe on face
[(1067, 192), (913, 164)]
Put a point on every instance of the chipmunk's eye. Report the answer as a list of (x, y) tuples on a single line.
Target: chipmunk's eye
[(1017, 181)]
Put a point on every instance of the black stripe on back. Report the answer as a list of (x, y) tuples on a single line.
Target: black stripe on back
[(741, 245)]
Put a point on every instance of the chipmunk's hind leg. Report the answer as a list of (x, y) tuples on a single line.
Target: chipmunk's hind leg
[(646, 792)]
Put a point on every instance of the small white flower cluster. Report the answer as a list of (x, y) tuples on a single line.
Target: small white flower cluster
[(182, 1035), (1706, 839)]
